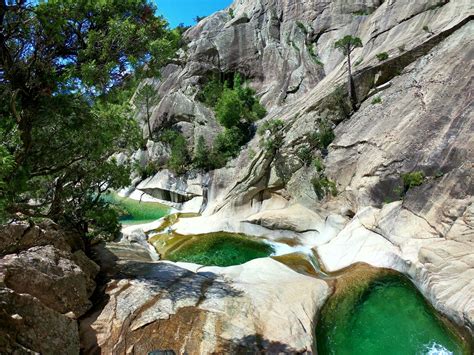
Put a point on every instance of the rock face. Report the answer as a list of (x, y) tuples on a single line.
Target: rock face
[(421, 120), (46, 281), (156, 306)]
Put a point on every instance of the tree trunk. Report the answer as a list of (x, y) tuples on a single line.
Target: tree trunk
[(148, 117), (350, 83)]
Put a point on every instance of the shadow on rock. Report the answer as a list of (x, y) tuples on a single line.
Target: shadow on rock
[(148, 293)]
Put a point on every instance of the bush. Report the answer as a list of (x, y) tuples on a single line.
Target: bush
[(338, 102), (365, 12), (231, 13), (323, 186), (211, 92), (376, 100), (227, 146), (229, 108), (148, 170), (318, 164), (323, 137), (272, 135), (236, 109), (305, 155), (412, 179), (382, 56), (179, 159), (201, 158), (238, 105)]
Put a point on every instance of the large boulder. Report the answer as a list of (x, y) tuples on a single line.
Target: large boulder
[(46, 282), (149, 306), (60, 280), (27, 326)]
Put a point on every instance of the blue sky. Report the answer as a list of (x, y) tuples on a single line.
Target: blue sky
[(184, 11)]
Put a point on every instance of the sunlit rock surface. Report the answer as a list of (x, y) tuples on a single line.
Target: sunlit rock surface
[(187, 308)]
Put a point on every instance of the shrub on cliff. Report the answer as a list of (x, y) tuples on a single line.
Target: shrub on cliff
[(179, 160), (201, 158), (415, 178)]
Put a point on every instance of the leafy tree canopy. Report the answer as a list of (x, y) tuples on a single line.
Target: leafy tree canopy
[(67, 71), (347, 44)]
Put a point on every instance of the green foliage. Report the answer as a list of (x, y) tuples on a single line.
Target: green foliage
[(426, 29), (313, 55), (229, 108), (305, 155), (252, 153), (238, 105), (147, 97), (323, 186), (227, 146), (358, 62), (382, 56), (231, 13), (376, 100), (323, 137), (236, 109), (68, 71), (347, 44), (201, 158), (150, 169), (318, 164), (7, 163), (412, 179), (302, 27), (211, 92), (271, 133), (179, 159)]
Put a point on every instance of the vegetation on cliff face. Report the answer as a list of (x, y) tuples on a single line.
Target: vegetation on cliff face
[(236, 108), (346, 45), (68, 69)]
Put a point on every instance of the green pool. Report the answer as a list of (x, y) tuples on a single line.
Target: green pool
[(136, 212), (214, 249), (390, 317)]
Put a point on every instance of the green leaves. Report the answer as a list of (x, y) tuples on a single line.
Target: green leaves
[(347, 44), (179, 159), (69, 68), (229, 108), (238, 105)]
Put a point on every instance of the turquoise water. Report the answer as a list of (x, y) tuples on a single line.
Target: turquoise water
[(390, 318), (217, 249), (136, 212)]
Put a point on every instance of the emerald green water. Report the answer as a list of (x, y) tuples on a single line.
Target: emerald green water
[(390, 318), (136, 212), (220, 249)]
